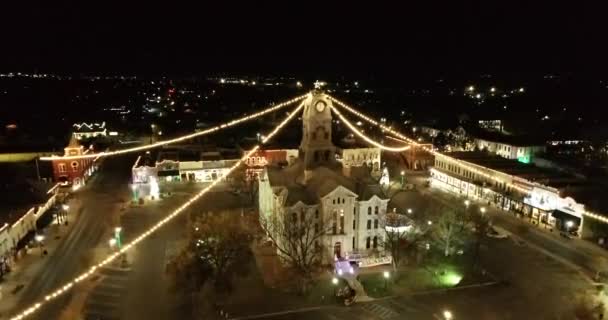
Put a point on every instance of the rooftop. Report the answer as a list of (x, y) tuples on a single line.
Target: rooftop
[(529, 172), (323, 181), (89, 127)]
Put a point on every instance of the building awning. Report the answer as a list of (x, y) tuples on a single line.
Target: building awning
[(168, 173), (29, 236), (561, 215)]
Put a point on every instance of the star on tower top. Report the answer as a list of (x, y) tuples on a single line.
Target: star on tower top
[(319, 84)]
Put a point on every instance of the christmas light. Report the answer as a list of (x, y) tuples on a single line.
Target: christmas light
[(179, 139), (366, 138), (66, 287)]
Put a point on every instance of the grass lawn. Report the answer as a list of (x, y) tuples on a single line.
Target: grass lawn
[(415, 279)]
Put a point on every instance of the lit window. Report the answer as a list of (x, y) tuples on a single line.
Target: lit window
[(61, 167)]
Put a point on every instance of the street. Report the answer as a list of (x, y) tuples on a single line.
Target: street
[(98, 201)]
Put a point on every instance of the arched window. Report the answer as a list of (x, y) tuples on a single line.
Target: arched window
[(369, 224), (367, 242), (74, 165), (343, 200), (302, 215), (376, 224), (376, 210), (369, 210), (375, 242)]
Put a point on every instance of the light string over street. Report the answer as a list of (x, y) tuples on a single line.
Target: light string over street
[(365, 137), (179, 139), (459, 162), (126, 247)]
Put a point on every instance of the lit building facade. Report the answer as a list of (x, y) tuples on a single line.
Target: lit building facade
[(74, 172), (491, 179), (347, 205), (89, 130)]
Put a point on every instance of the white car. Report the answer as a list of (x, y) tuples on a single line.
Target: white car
[(493, 233)]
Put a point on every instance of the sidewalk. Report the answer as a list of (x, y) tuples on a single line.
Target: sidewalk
[(29, 265)]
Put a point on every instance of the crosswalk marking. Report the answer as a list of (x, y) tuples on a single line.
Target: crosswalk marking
[(380, 311)]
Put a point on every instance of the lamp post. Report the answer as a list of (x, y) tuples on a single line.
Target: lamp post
[(482, 210), (402, 179), (135, 192), (334, 282), (386, 275), (64, 214), (569, 225), (409, 211), (447, 315), (467, 203), (117, 232), (39, 238)]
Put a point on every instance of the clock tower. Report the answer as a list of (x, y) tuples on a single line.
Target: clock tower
[(316, 148)]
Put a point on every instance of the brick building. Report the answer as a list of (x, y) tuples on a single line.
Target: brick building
[(73, 172)]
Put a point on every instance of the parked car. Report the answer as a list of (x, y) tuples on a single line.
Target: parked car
[(493, 233)]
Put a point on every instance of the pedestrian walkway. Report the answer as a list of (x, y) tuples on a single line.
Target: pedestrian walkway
[(379, 311), (24, 269)]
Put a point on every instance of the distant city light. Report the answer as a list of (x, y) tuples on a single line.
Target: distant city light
[(492, 89), (521, 89), (471, 88)]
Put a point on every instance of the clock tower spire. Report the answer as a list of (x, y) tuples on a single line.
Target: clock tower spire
[(316, 148)]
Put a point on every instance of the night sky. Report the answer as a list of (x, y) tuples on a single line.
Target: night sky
[(304, 37)]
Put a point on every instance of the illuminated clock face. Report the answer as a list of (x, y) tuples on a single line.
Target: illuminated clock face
[(320, 106)]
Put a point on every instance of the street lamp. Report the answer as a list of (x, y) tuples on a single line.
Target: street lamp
[(430, 222), (409, 211), (466, 203), (39, 238), (64, 214), (386, 275), (447, 315), (482, 210), (112, 242), (334, 282), (402, 179), (117, 232)]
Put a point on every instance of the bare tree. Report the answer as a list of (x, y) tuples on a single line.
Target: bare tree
[(218, 250), (297, 237), (449, 230), (402, 234), (480, 225)]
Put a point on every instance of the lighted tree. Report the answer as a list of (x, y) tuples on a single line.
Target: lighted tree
[(297, 238), (449, 231)]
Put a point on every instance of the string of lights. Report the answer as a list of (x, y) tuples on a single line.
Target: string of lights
[(70, 284), (365, 137), (461, 163), (179, 139)]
